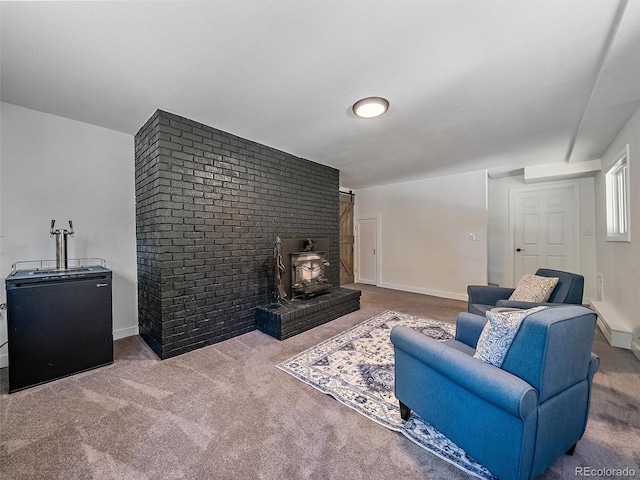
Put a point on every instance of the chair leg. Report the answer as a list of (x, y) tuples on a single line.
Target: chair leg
[(405, 411), (571, 450)]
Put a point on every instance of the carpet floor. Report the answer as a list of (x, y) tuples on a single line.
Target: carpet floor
[(356, 367), (225, 411)]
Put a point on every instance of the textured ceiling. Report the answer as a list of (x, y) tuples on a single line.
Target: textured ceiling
[(473, 84)]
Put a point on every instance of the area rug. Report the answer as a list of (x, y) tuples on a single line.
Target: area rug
[(356, 368)]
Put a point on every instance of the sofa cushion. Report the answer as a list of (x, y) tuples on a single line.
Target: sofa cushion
[(498, 334), (533, 288)]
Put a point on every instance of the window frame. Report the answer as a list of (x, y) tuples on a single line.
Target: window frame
[(617, 198)]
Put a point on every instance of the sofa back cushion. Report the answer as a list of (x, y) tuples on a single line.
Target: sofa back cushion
[(498, 334), (570, 286), (552, 349)]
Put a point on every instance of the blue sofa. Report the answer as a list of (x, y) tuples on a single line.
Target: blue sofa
[(568, 290), (515, 420)]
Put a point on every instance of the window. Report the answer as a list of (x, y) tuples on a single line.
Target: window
[(617, 192)]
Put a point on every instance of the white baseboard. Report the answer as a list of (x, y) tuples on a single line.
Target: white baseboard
[(125, 332), (4, 360), (614, 328), (425, 291)]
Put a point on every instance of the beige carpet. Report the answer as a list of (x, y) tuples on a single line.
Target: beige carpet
[(227, 412)]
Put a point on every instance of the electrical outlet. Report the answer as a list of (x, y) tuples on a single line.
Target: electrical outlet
[(615, 297)]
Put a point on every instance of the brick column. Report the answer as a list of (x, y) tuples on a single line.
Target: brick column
[(209, 205)]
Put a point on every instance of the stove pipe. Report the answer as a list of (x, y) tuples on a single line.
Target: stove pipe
[(61, 244)]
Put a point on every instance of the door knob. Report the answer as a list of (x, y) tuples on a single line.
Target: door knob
[(519, 250)]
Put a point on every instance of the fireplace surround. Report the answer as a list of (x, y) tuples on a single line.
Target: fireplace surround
[(208, 207), (304, 298)]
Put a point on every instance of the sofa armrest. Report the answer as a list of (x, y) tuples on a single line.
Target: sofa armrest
[(594, 364), (527, 305), (469, 327), (493, 385), (486, 295)]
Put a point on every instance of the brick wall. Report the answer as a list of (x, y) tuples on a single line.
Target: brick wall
[(209, 205)]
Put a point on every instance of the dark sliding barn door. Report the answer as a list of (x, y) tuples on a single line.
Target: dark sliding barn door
[(346, 238)]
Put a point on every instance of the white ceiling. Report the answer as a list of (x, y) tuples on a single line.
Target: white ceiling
[(473, 84)]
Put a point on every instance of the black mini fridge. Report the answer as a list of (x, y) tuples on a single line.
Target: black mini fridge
[(59, 323)]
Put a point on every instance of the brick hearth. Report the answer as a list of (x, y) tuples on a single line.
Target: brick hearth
[(301, 315)]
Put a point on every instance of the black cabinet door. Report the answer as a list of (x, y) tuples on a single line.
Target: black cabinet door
[(58, 328)]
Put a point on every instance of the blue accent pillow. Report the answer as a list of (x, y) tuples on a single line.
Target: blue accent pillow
[(498, 334)]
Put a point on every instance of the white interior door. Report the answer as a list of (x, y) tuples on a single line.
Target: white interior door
[(546, 230), (366, 270)]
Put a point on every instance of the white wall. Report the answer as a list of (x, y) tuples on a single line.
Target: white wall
[(425, 228), (619, 262), (501, 256), (55, 168)]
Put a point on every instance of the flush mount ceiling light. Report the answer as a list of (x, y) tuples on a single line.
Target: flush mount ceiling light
[(370, 107)]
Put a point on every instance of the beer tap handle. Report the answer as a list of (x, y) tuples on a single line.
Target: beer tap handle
[(70, 228), (51, 232)]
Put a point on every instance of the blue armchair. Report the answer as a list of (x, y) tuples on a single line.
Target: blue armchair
[(568, 290), (515, 420)]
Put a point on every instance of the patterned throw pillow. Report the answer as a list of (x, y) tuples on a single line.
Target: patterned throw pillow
[(532, 288), (498, 334)]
